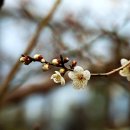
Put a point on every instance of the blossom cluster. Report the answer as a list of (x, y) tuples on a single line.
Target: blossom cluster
[(77, 74)]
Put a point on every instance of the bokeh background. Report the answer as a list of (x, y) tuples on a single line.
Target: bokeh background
[(96, 34)]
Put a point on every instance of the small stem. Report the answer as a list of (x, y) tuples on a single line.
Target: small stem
[(111, 72), (62, 65)]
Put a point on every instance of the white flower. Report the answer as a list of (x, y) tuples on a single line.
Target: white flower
[(58, 78), (125, 72), (80, 77), (55, 62)]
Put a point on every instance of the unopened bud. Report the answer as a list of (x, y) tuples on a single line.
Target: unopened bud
[(66, 59), (43, 60), (62, 70), (74, 63), (45, 67), (22, 59), (26, 60), (55, 62), (37, 57)]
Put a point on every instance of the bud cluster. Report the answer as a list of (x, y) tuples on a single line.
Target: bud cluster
[(77, 74), (25, 59), (57, 62)]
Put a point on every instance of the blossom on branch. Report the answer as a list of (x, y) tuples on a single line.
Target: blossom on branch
[(125, 72), (58, 78), (76, 73), (80, 77)]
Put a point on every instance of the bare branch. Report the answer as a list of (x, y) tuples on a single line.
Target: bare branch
[(30, 47), (23, 92), (110, 72)]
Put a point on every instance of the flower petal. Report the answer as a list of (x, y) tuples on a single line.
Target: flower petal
[(87, 74), (80, 84), (71, 75), (78, 69), (125, 72), (53, 76), (56, 81), (57, 78), (62, 81), (76, 84), (124, 61), (121, 72), (57, 72)]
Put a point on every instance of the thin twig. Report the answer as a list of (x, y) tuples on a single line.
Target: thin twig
[(28, 50), (110, 72)]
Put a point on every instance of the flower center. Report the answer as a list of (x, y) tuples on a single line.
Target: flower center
[(58, 78), (80, 77)]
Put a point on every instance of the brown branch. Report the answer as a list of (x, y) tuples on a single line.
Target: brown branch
[(111, 72), (30, 47), (22, 92)]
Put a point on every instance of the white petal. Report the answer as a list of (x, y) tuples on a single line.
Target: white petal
[(57, 72), (78, 69), (52, 77), (87, 74), (124, 61), (121, 72), (71, 75), (77, 84), (56, 81), (124, 72), (62, 81)]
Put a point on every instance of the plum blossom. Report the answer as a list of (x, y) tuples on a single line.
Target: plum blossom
[(57, 78), (80, 77), (125, 72)]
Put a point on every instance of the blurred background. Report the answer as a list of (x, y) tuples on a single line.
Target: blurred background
[(96, 34)]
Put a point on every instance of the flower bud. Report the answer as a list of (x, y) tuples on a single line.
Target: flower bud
[(66, 59), (22, 59), (43, 60), (74, 63), (55, 62), (26, 60), (62, 70), (45, 67), (37, 57)]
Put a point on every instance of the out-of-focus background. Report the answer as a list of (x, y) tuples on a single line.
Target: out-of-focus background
[(96, 33)]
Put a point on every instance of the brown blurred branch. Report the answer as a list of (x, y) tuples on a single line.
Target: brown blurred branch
[(29, 48), (23, 92)]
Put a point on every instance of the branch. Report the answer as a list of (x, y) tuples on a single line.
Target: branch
[(22, 92), (44, 88), (111, 72), (28, 50)]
